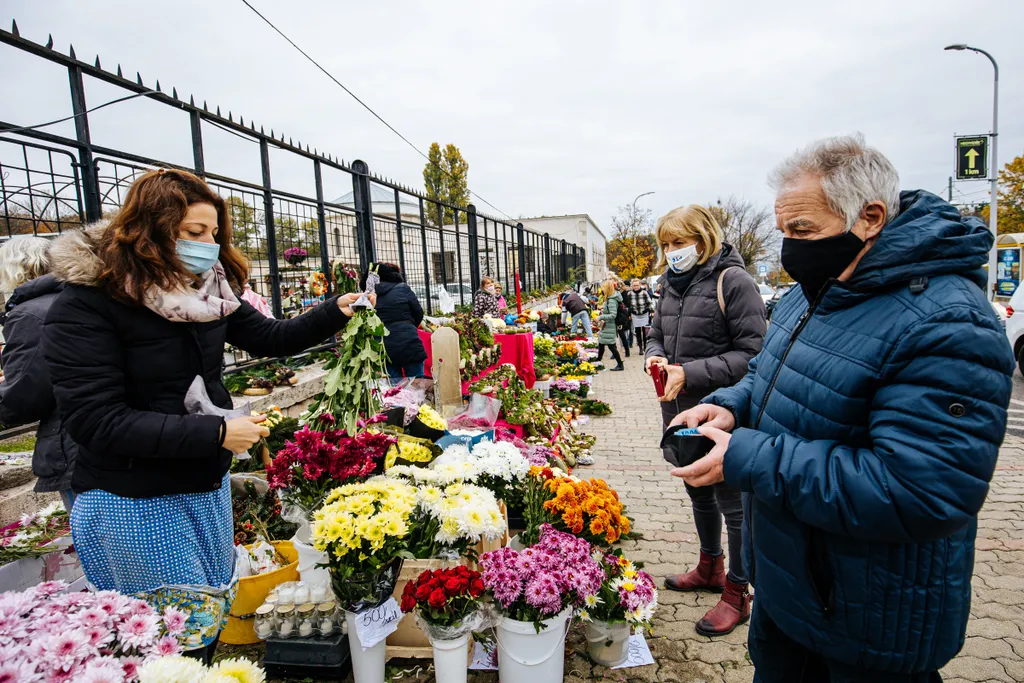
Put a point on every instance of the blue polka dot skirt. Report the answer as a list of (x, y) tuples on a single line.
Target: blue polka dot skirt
[(170, 551)]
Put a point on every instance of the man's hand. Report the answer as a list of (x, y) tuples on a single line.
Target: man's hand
[(707, 470), (711, 415), (675, 379), (345, 302), (654, 360)]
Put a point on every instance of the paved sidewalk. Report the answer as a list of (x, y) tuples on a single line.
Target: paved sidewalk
[(628, 457)]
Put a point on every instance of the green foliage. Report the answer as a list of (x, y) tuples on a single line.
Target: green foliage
[(446, 178)]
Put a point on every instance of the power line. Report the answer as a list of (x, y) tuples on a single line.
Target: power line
[(75, 116), (364, 104)]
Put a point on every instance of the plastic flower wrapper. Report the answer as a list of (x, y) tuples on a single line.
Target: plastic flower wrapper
[(447, 604), (481, 413), (197, 402), (364, 530), (409, 450), (36, 534), (428, 424)]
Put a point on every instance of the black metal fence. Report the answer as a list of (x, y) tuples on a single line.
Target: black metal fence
[(50, 183)]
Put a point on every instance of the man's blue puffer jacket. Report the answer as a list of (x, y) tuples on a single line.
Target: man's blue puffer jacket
[(868, 431)]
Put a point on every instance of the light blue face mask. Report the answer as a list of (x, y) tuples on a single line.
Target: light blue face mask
[(198, 257)]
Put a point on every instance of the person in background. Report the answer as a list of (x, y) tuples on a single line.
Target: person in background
[(607, 337), (401, 313), (255, 300), (866, 433), (486, 300), (704, 340), (575, 309), (149, 302), (502, 304), (26, 392), (625, 332), (640, 306)]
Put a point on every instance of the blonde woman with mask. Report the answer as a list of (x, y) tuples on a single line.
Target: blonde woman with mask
[(709, 323)]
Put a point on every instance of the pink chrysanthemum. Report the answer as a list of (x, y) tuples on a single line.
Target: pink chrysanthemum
[(165, 647), (175, 620), (139, 631)]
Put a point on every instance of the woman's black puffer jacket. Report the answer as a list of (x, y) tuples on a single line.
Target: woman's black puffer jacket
[(121, 372)]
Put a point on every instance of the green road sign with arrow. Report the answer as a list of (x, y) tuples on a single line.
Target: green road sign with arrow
[(972, 158)]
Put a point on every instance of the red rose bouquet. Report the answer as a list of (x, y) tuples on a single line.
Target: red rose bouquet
[(315, 462), (446, 601)]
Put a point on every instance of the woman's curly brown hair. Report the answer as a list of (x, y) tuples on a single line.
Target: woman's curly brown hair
[(139, 251)]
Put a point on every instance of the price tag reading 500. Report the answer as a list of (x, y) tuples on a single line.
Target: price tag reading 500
[(374, 625)]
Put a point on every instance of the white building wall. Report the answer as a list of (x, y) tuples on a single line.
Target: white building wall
[(580, 230)]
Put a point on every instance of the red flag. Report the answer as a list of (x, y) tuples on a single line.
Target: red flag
[(519, 296)]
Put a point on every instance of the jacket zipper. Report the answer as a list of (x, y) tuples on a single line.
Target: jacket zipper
[(797, 329)]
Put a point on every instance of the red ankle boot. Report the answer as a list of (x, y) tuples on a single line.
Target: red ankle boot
[(731, 611), (709, 575)]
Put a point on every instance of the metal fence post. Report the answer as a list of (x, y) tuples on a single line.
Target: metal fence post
[(268, 217), (547, 259), (474, 247), (521, 237), (398, 233), (198, 158), (90, 179), (458, 257), (426, 259), (364, 213), (321, 219)]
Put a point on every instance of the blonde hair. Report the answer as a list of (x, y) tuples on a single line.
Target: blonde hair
[(23, 258), (689, 221), (608, 288)]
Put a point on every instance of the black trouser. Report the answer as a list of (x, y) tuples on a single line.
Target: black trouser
[(641, 338), (626, 337), (710, 504), (204, 654), (778, 659), (611, 347)]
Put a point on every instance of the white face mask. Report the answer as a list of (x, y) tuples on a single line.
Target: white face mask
[(682, 260), (489, 289)]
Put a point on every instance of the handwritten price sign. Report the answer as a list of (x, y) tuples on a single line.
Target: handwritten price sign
[(374, 625)]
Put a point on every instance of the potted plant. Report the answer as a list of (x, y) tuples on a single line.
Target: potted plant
[(446, 603), (535, 591), (627, 600), (295, 255)]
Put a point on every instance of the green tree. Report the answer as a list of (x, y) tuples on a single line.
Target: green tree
[(288, 233), (246, 227), (1011, 198), (445, 177)]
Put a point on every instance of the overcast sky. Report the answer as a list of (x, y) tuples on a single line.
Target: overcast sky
[(559, 107)]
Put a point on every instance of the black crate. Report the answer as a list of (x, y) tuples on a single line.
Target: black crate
[(316, 658)]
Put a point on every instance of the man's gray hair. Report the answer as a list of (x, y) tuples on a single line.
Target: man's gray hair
[(851, 173), (23, 258)]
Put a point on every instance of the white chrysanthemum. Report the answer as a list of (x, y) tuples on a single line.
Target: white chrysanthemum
[(501, 460), (172, 670)]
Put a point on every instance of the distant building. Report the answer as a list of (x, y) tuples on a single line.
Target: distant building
[(581, 230)]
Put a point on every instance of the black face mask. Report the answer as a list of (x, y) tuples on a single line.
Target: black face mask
[(812, 263)]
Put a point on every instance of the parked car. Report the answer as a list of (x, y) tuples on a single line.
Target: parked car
[(770, 304), (1015, 326), (766, 293)]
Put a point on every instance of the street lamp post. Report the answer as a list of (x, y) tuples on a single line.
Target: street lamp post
[(638, 197), (993, 210)]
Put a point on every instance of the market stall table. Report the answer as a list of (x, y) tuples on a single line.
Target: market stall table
[(516, 349)]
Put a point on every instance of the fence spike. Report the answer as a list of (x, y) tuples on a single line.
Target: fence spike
[(49, 42), (230, 116), (14, 28), (261, 130), (192, 100), (290, 144), (205, 108), (158, 85), (272, 132), (119, 74), (218, 110), (174, 93), (307, 148), (71, 52), (252, 124), (97, 64), (138, 77), (241, 120)]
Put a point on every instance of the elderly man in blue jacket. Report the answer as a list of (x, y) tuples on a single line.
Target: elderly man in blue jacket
[(866, 431)]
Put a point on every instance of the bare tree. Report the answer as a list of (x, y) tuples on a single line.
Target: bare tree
[(750, 229)]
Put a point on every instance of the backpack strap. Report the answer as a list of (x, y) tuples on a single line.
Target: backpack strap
[(721, 297)]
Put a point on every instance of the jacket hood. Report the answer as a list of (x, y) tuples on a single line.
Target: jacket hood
[(385, 287), (928, 238), (33, 289), (73, 255)]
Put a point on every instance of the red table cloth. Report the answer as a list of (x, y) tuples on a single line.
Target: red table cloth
[(516, 349)]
